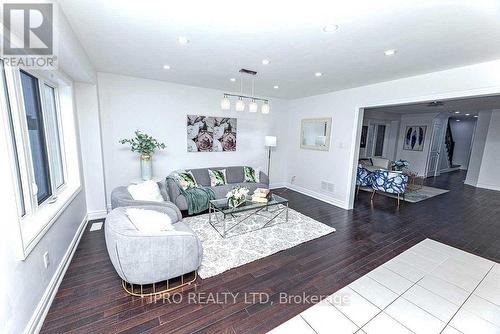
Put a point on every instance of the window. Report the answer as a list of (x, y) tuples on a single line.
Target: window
[(53, 136), (42, 146), (4, 98), (36, 133)]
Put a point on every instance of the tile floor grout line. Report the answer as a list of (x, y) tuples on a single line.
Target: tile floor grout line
[(423, 287), (465, 301), (398, 296), (486, 300), (345, 315), (308, 324)]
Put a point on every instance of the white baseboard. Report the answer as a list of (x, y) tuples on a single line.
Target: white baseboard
[(35, 324), (278, 185), (320, 196), (488, 186), (100, 214), (448, 170)]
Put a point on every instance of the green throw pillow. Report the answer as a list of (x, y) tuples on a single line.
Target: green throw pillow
[(217, 177), (251, 174), (186, 180)]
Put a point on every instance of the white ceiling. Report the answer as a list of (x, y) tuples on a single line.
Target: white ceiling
[(137, 38), (464, 106)]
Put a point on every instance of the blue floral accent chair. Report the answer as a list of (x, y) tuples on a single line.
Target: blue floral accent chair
[(364, 177), (389, 182)]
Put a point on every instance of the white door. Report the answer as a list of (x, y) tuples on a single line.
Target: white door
[(435, 149)]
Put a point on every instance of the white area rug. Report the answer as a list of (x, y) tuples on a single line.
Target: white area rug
[(414, 196), (221, 254)]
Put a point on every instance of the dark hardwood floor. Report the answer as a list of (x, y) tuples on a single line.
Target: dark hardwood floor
[(91, 299)]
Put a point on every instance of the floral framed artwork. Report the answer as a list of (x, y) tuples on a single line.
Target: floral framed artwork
[(211, 134), (414, 137)]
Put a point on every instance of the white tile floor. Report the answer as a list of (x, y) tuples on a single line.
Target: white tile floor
[(430, 288)]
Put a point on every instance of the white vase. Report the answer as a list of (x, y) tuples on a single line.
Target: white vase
[(146, 167)]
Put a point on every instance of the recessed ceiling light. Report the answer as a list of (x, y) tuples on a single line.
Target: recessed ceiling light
[(183, 40), (467, 114), (276, 86), (390, 52), (458, 120), (233, 79), (475, 116), (166, 67), (265, 61), (457, 112), (330, 27), (318, 74)]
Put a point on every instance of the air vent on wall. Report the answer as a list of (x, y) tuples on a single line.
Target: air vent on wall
[(435, 104)]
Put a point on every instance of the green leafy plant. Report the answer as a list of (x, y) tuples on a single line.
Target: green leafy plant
[(143, 143)]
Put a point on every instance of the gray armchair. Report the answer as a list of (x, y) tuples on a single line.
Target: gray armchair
[(120, 197), (145, 257)]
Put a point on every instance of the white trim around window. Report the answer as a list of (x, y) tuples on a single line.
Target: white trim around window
[(35, 216)]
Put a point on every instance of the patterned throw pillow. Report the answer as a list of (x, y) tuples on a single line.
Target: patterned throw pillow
[(217, 177), (251, 174), (186, 180)]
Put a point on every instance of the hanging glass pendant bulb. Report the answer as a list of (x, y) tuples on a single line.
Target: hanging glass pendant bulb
[(240, 105), (265, 108), (225, 103), (252, 107)]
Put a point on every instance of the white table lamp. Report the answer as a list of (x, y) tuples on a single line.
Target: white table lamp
[(270, 141)]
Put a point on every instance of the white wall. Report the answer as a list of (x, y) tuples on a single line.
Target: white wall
[(160, 109), (27, 284), (337, 165), (462, 135), (478, 144), (90, 138), (488, 174)]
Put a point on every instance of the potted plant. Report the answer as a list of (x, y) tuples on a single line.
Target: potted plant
[(237, 196), (145, 145)]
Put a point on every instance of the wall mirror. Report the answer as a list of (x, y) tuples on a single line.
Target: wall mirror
[(315, 134)]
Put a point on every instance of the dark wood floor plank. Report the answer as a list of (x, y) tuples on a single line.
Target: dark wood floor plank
[(91, 300)]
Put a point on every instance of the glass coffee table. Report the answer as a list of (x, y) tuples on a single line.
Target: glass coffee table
[(248, 217)]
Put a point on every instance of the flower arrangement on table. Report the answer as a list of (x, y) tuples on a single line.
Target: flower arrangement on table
[(399, 165), (237, 196)]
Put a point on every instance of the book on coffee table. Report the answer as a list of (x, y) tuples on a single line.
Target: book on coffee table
[(261, 195)]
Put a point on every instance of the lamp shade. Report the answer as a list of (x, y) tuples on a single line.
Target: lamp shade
[(265, 108), (252, 107), (240, 105), (270, 141), (225, 103)]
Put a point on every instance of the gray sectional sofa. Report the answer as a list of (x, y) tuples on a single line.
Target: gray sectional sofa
[(234, 177)]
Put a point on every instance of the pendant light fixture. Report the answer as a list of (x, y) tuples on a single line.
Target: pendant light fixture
[(265, 108), (240, 105), (225, 103), (253, 107)]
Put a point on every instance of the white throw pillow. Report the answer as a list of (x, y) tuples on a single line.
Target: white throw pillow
[(146, 191), (149, 220)]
